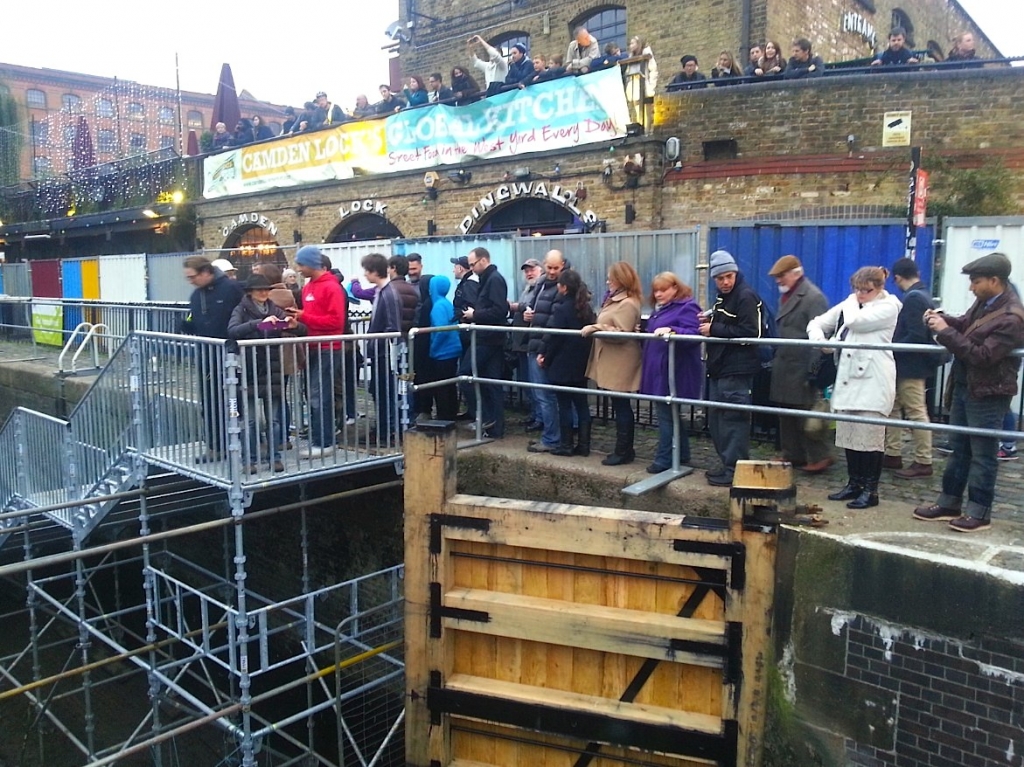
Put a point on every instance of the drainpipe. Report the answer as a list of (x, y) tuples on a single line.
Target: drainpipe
[(745, 25)]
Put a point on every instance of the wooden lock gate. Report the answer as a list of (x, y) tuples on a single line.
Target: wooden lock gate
[(544, 634)]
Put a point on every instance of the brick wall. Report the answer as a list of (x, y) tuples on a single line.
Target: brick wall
[(701, 27)]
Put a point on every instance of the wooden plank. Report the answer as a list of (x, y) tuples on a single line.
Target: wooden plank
[(508, 651), (621, 533), (594, 627), (571, 701), (429, 482)]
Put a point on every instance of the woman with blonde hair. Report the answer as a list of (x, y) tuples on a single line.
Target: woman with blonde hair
[(726, 67), (614, 363), (865, 378), (675, 312)]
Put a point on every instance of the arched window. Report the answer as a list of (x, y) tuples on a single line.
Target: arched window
[(136, 111), (104, 108), (507, 42), (69, 102), (901, 19), (166, 116), (35, 98), (607, 24), (194, 120)]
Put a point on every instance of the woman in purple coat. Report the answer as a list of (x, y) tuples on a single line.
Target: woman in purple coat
[(675, 312)]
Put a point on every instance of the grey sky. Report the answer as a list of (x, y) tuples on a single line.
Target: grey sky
[(282, 52)]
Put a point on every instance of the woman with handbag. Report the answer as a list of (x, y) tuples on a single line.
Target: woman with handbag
[(865, 378)]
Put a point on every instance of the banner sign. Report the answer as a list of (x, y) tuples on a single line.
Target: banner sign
[(48, 324), (571, 111)]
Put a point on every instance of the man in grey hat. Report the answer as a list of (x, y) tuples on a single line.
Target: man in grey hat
[(731, 368), (984, 380), (800, 301)]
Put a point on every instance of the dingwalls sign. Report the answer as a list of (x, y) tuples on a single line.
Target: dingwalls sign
[(538, 189)]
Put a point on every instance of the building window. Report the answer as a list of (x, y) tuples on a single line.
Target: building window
[(36, 99), (506, 43), (138, 142), (136, 111), (105, 141), (608, 25), (901, 19), (40, 132), (195, 120), (69, 102), (166, 142), (104, 108), (42, 166), (166, 116)]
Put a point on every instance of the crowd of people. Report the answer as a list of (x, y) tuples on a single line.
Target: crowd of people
[(565, 343), (767, 60)]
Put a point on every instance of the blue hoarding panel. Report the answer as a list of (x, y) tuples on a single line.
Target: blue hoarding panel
[(830, 252), (71, 284)]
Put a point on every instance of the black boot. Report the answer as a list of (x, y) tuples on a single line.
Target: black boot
[(583, 440), (872, 463), (623, 448), (868, 496), (564, 443), (853, 489)]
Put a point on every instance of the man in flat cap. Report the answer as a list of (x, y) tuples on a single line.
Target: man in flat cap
[(984, 379), (800, 301)]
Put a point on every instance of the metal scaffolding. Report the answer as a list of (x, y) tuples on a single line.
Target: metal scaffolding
[(136, 645)]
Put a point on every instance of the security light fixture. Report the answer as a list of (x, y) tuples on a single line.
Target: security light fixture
[(460, 176), (521, 173)]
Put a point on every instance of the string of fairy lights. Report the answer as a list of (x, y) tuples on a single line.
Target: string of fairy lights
[(110, 149)]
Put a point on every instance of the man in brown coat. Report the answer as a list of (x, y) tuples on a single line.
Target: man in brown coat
[(800, 301), (984, 380)]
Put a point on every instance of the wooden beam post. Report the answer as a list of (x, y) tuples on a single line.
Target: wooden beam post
[(429, 481)]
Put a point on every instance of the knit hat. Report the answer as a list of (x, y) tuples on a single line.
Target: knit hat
[(520, 47), (309, 255), (224, 265), (783, 265), (688, 58), (721, 262)]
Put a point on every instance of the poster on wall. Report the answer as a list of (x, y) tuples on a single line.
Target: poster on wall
[(48, 324), (571, 111)]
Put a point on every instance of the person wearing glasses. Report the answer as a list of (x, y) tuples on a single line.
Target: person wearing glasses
[(865, 378)]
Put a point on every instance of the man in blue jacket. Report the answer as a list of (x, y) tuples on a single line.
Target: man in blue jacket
[(912, 369), (213, 300)]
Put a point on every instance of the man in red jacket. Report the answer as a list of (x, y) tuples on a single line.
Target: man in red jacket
[(324, 312)]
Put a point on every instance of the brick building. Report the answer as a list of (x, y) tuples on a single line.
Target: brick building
[(125, 118), (840, 30)]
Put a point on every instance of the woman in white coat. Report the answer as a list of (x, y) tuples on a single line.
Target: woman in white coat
[(865, 379)]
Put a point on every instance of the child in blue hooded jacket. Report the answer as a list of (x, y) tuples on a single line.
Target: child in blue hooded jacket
[(445, 351)]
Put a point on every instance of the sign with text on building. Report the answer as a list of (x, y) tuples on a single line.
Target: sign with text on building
[(921, 198), (896, 128), (571, 111), (48, 324)]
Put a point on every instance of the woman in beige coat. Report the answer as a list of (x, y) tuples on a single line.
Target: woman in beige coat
[(615, 362)]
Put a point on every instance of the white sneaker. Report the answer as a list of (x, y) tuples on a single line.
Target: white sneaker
[(350, 421), (317, 452)]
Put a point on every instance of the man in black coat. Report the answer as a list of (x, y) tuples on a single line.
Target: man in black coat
[(213, 300), (491, 308), (731, 367), (467, 286), (912, 369), (436, 89), (538, 316)]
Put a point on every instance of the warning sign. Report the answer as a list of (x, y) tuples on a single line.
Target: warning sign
[(896, 129)]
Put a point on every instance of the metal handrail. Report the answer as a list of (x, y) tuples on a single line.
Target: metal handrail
[(91, 334)]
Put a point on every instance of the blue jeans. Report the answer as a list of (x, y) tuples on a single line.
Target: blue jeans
[(273, 415), (323, 363), (385, 393), (730, 429), (546, 403), (663, 455), (1009, 424), (529, 395), (973, 465)]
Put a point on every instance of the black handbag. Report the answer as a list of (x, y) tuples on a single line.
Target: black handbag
[(823, 372)]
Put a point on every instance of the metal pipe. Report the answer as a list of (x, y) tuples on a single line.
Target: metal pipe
[(71, 556)]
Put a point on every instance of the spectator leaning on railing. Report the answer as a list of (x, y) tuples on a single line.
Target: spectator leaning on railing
[(803, 62), (896, 54)]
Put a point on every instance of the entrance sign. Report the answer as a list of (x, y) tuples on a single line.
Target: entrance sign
[(571, 111), (538, 189), (248, 220)]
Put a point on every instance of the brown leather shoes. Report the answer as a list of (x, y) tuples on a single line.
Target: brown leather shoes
[(935, 513), (969, 524), (818, 466), (914, 471), (892, 462)]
